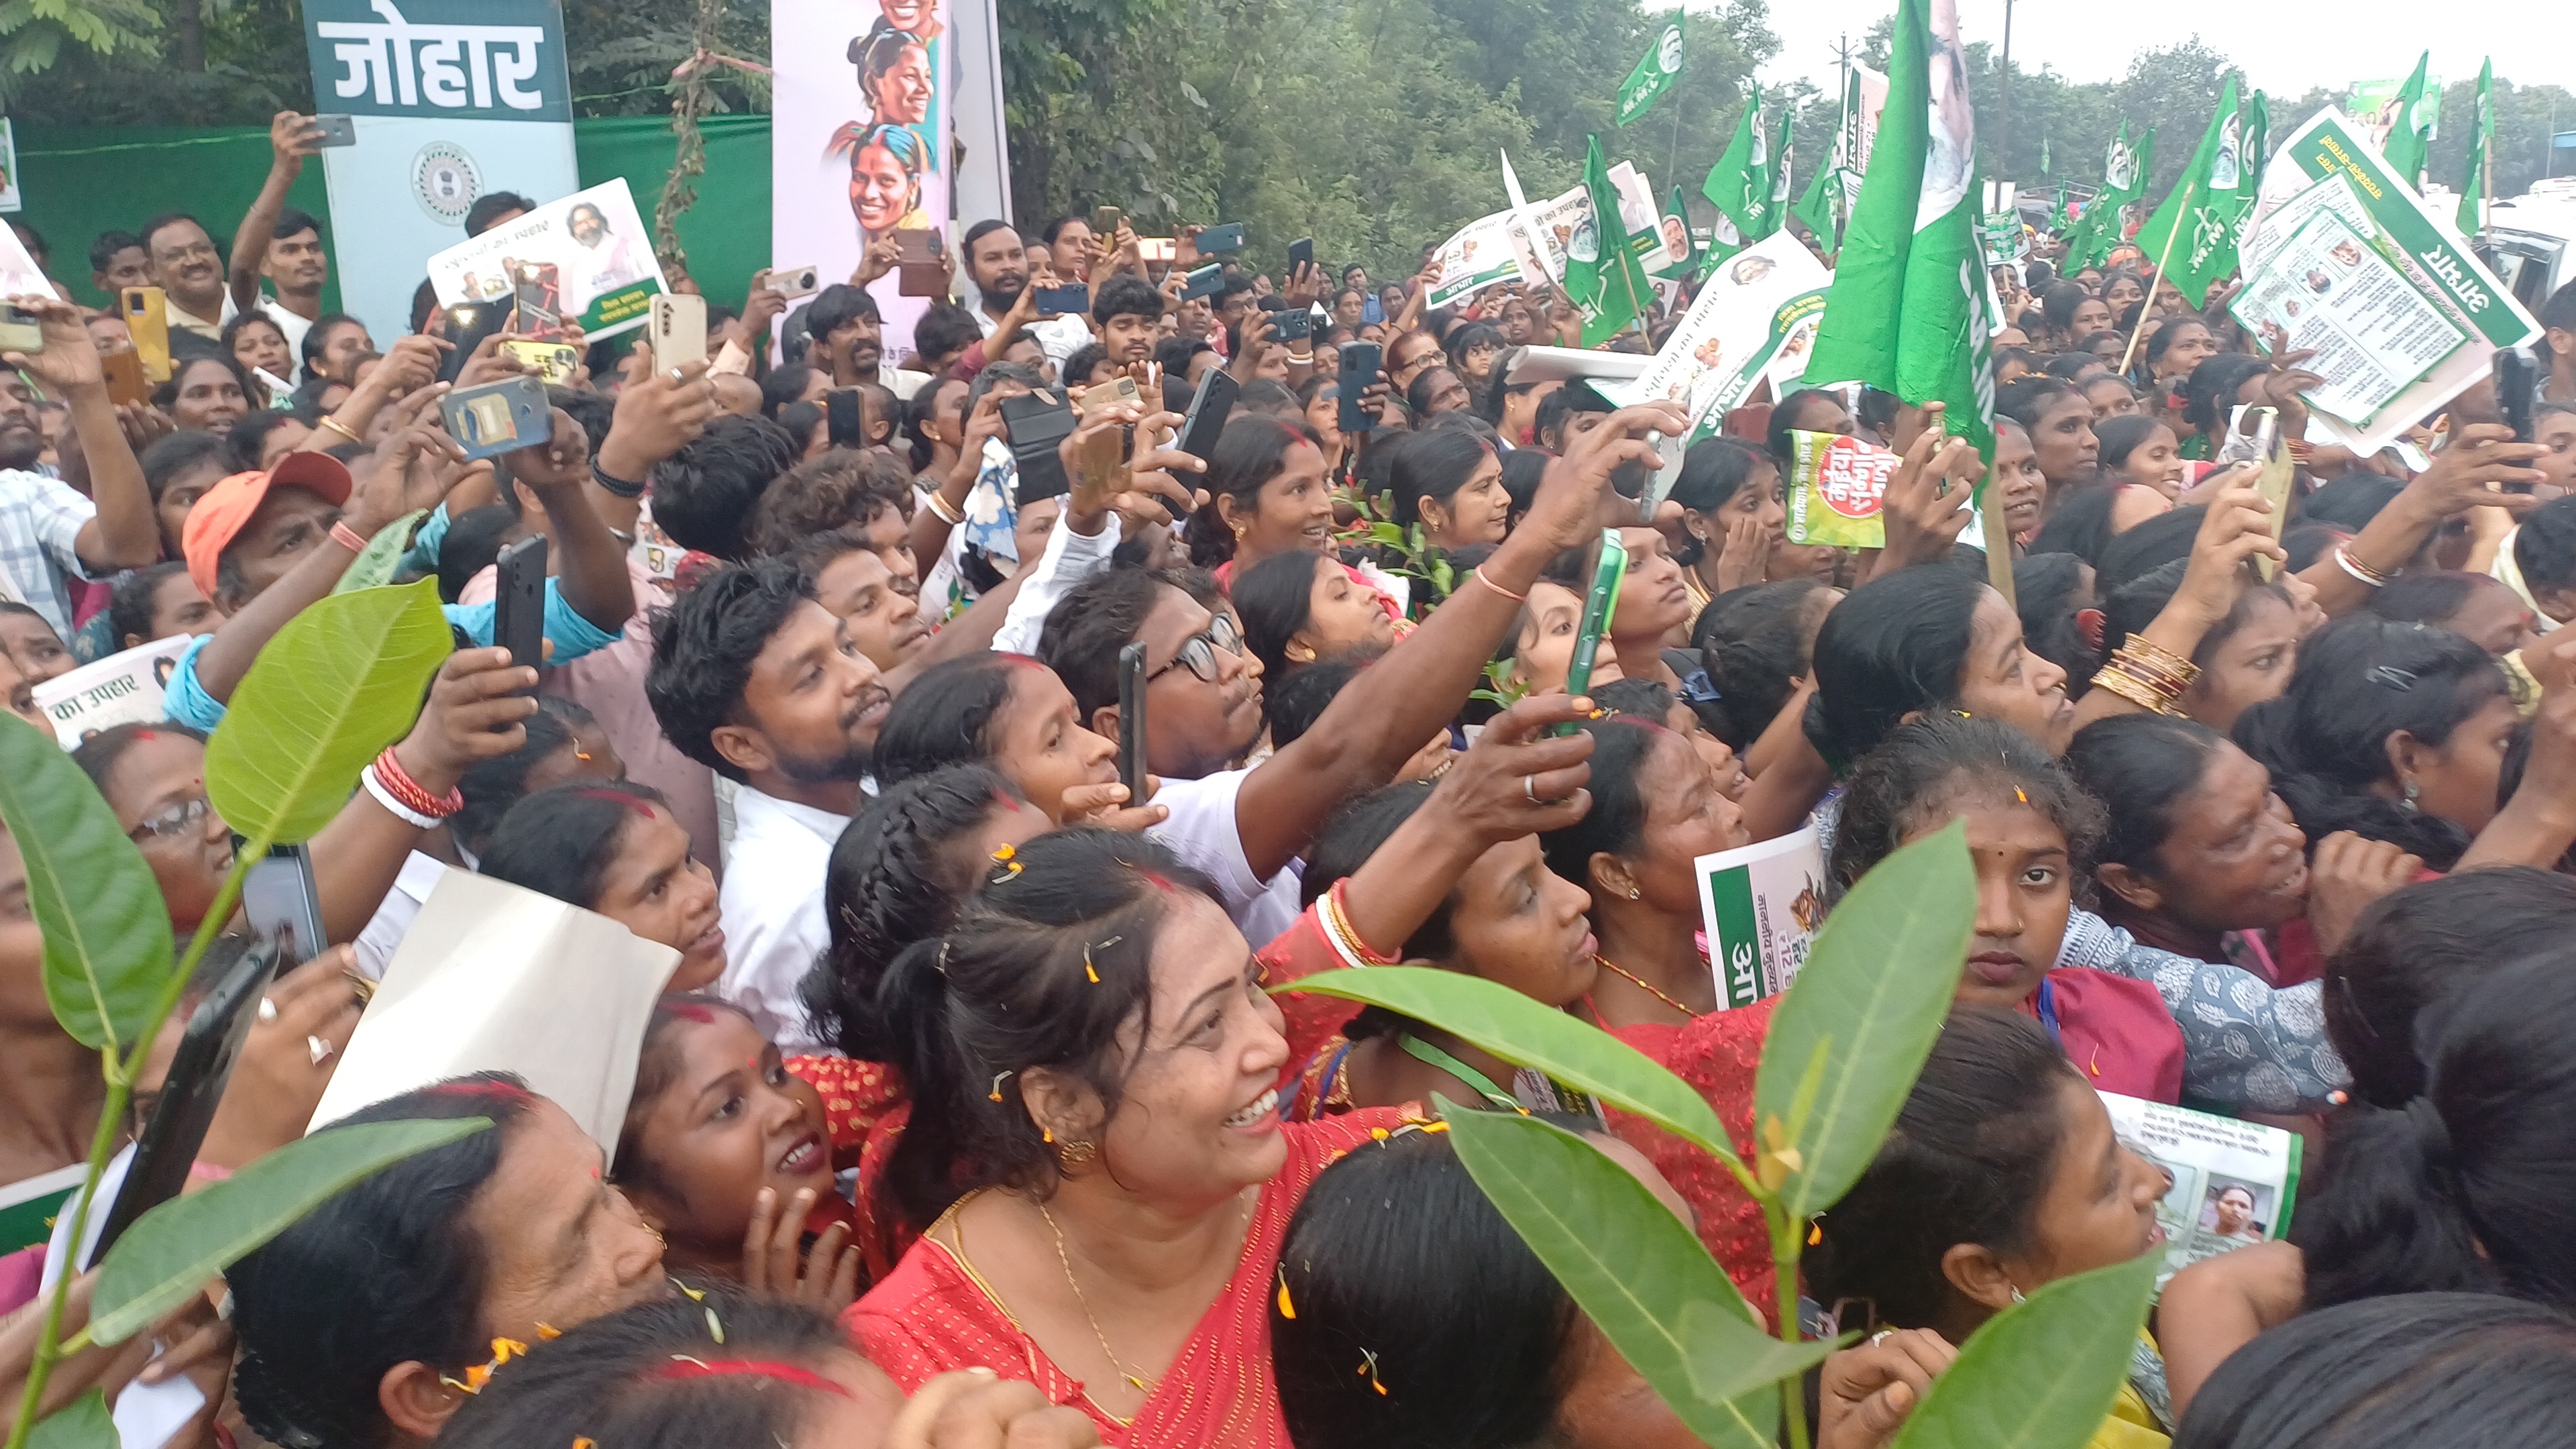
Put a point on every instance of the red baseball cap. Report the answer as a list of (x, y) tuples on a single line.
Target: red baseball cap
[(223, 509)]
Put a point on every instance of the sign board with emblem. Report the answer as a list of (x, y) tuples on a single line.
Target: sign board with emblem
[(450, 100)]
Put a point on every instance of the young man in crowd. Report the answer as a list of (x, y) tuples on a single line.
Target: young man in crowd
[(1127, 317), (280, 243), (117, 260), (50, 535), (998, 266), (849, 341)]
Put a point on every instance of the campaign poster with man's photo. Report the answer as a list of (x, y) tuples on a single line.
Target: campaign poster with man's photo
[(588, 254)]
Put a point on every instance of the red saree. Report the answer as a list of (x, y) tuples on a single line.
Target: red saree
[(933, 1315)]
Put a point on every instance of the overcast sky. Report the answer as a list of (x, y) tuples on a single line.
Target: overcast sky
[(2286, 46)]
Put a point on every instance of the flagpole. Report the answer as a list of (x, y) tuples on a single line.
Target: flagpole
[(2180, 214)]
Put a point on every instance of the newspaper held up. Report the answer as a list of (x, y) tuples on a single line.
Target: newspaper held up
[(1760, 907)]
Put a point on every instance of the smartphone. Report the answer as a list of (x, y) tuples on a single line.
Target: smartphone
[(498, 417), (284, 907), (679, 330), (1208, 410), (1360, 362), (1105, 221), (125, 382), (519, 601), (1157, 248), (536, 300), (147, 319), (845, 421), (2513, 389), (199, 1071), (919, 273), (2275, 473), (1108, 394), (1036, 422), (553, 362), (1598, 605), (20, 331), (1205, 281), (1131, 721), (1301, 253), (1067, 301), (1217, 239), (795, 281), (466, 324), (1291, 324)]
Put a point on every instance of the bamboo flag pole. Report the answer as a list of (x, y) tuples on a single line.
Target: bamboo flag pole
[(2181, 213)]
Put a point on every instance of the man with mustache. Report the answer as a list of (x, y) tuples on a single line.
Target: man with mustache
[(849, 341), (754, 679), (189, 273), (997, 264)]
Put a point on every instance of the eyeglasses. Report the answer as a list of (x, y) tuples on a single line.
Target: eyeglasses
[(173, 822), (1198, 651)]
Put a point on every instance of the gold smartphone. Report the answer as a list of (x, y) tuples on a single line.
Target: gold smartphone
[(125, 381), (147, 319), (679, 330), (554, 362)]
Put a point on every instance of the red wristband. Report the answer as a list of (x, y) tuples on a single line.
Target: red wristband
[(347, 537), (413, 795)]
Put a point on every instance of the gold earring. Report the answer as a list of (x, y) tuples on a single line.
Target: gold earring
[(1078, 1151), (1632, 893)]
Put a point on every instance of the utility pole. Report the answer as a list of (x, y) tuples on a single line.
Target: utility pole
[(2003, 106)]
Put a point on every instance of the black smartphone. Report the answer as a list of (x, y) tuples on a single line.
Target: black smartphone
[(1070, 301), (1036, 422), (2513, 388), (1225, 238), (284, 907), (1291, 324), (1208, 409), (519, 601), (335, 131), (466, 324), (1204, 282), (845, 423), (1131, 721), (1301, 253), (1360, 361), (199, 1071)]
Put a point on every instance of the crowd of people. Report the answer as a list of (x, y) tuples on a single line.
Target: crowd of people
[(968, 1109)]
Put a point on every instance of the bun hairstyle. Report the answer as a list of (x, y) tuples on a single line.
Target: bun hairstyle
[(2414, 946), (1927, 772), (2360, 680), (1755, 644), (897, 875), (1895, 646), (1622, 746), (1050, 959), (2141, 767), (2464, 1188)]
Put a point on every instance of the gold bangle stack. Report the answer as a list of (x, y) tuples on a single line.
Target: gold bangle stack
[(2148, 675), (337, 426), (947, 512), (1330, 914)]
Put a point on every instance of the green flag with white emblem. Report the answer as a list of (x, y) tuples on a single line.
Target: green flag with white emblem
[(1604, 278), (1654, 75), (1740, 184), (2193, 235)]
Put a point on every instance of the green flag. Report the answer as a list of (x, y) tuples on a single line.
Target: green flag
[(1740, 183), (1603, 277), (1821, 205), (1909, 309), (2475, 181), (1654, 74), (2193, 235), (2410, 139), (2124, 179), (1676, 222)]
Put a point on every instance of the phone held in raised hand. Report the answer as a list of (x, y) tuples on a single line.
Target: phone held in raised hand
[(20, 330), (1120, 389), (1071, 300), (1301, 253), (498, 417), (199, 1071), (1036, 422), (553, 362), (283, 905), (1204, 282), (2513, 390), (335, 131), (125, 383), (845, 419), (519, 601), (1131, 721), (1599, 603), (1206, 420), (1157, 248), (679, 330), (1219, 239), (465, 325), (1292, 324), (147, 321), (917, 265), (1360, 362), (536, 301), (1105, 221), (794, 282)]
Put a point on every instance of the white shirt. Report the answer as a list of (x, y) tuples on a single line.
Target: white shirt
[(771, 908), (1069, 559), (1059, 337), (385, 930), (287, 322), (902, 382), (1203, 834)]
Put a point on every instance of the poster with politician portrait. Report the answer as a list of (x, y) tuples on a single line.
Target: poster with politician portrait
[(860, 138)]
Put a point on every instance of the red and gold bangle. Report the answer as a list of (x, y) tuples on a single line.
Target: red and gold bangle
[(410, 792), (347, 537), (1332, 912)]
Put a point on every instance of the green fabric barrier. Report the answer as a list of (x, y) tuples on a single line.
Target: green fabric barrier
[(81, 180)]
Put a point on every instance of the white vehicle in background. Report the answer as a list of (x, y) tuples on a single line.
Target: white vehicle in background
[(2531, 240)]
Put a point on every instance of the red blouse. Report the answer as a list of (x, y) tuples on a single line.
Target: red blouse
[(935, 1314)]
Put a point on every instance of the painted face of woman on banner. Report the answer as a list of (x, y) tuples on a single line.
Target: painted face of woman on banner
[(897, 80), (884, 187), (920, 17)]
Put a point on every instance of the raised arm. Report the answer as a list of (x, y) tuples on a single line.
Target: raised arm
[(2473, 470), (657, 415), (124, 535), (291, 138), (410, 365), (2236, 528), (1371, 730), (590, 565)]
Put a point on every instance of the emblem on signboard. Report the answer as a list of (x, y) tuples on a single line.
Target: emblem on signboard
[(445, 182)]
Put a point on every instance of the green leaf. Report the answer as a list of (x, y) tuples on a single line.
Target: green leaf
[(1638, 1271), (1867, 1006), (173, 1250), (107, 933), (2080, 1327), (340, 682), (83, 1423), (377, 563), (1524, 1033)]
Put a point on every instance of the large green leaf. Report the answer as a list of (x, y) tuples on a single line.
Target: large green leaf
[(1852, 1031), (340, 682), (84, 1423), (1524, 1033), (381, 559), (107, 933), (173, 1250), (2080, 1329), (1638, 1272)]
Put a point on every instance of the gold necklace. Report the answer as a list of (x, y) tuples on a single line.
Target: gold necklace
[(1632, 979), (1075, 1284)]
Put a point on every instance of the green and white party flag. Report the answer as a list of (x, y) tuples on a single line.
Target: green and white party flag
[(2199, 218), (1740, 184), (2475, 179), (1654, 74), (1603, 277), (1911, 310), (2124, 180), (2410, 139), (1675, 224)]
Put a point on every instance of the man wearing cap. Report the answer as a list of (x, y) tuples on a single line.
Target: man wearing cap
[(265, 545), (49, 534)]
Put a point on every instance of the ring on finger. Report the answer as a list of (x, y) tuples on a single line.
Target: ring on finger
[(1529, 788), (677, 376)]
